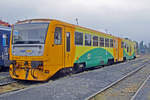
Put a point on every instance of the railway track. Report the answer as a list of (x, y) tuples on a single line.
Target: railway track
[(140, 88), (6, 81), (116, 88), (4, 73), (75, 85)]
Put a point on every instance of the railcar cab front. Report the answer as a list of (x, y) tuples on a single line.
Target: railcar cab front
[(40, 48)]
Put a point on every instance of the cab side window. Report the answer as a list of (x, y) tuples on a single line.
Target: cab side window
[(58, 35)]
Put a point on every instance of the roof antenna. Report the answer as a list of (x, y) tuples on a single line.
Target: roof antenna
[(77, 21)]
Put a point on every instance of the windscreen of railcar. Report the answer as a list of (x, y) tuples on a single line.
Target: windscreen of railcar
[(30, 33)]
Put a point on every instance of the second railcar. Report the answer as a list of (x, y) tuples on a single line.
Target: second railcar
[(5, 33)]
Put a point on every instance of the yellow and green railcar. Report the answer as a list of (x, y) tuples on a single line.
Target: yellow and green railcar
[(129, 49), (40, 48)]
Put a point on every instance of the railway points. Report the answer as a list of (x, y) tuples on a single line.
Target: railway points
[(78, 86)]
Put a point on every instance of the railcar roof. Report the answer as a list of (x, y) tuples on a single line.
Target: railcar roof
[(5, 28), (48, 20)]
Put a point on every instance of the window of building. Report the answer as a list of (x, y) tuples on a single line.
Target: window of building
[(111, 43), (95, 40), (58, 35), (78, 38), (106, 42), (101, 39), (88, 39)]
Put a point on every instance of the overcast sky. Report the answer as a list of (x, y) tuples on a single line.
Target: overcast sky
[(123, 18)]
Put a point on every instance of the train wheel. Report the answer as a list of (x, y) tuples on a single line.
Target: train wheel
[(124, 59), (79, 68)]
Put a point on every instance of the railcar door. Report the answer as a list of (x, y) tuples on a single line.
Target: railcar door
[(116, 49), (120, 50), (57, 46), (130, 50), (69, 46)]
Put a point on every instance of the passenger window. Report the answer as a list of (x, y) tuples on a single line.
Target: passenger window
[(134, 47), (111, 43), (106, 42), (88, 39), (127, 48), (58, 35), (114, 43), (122, 44), (101, 42), (78, 38), (125, 45), (5, 40), (95, 40)]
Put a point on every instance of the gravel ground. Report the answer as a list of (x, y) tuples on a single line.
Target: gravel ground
[(4, 74), (75, 87), (126, 88), (144, 93)]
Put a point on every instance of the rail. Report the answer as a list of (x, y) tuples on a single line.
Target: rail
[(116, 82)]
